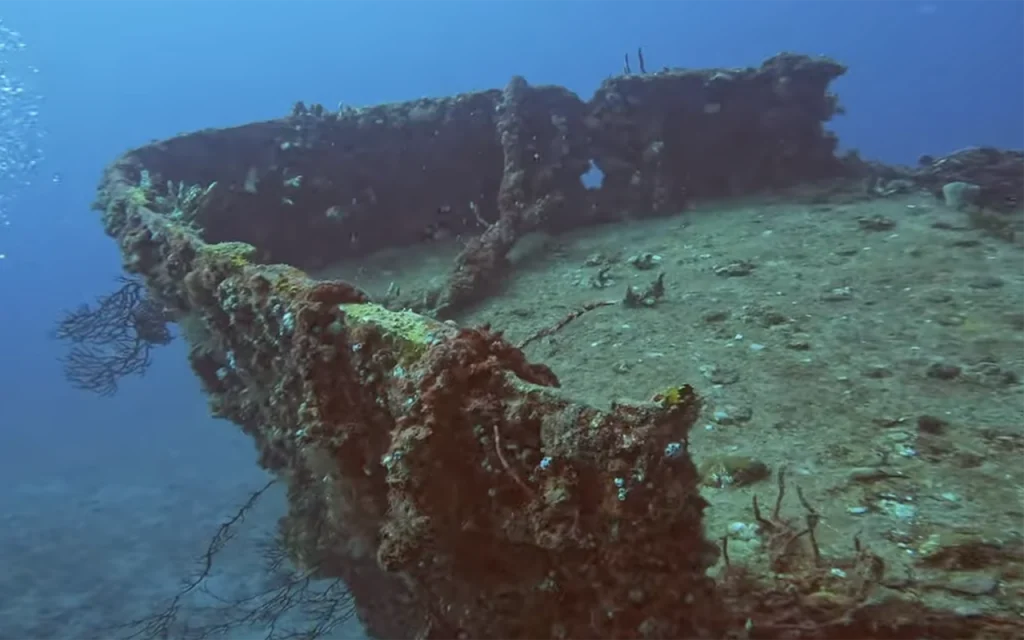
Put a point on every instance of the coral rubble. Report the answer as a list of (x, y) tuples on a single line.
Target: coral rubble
[(998, 175)]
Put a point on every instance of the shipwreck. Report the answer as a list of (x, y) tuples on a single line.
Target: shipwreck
[(451, 483)]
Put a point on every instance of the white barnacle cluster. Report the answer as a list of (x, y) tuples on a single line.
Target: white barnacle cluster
[(389, 460), (620, 484), (287, 324)]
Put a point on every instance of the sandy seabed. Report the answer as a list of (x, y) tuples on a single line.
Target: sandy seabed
[(873, 349)]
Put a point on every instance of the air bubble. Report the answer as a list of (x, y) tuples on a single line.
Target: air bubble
[(21, 133)]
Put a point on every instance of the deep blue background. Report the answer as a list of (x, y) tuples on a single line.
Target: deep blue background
[(924, 78)]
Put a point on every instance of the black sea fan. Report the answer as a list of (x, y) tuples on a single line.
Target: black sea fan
[(113, 338)]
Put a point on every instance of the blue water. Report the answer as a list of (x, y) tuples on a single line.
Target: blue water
[(925, 77)]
